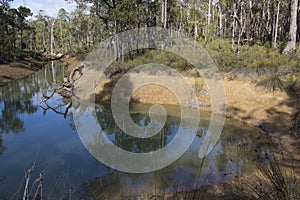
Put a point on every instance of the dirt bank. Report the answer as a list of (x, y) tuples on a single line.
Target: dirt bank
[(20, 69), (244, 100), (28, 65), (8, 73)]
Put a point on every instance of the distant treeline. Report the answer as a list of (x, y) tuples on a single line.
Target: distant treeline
[(270, 23)]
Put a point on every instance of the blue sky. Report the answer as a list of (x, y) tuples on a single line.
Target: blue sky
[(50, 7)]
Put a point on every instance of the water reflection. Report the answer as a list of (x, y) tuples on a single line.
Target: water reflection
[(2, 148), (22, 97), (234, 155), (66, 163)]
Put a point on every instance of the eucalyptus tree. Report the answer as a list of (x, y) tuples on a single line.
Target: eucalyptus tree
[(51, 22), (41, 25), (13, 23), (62, 20), (291, 45), (22, 13)]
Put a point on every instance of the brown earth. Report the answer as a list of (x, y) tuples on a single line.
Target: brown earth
[(71, 62), (9, 73), (22, 68), (244, 100)]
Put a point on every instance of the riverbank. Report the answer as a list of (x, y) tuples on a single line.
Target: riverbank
[(245, 101), (20, 69), (271, 112)]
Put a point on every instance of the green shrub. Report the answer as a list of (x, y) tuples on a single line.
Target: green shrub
[(146, 57)]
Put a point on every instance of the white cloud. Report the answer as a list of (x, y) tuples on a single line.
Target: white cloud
[(50, 7)]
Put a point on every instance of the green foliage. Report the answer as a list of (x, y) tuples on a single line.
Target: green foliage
[(295, 127), (258, 59), (133, 59), (292, 86), (272, 82), (13, 30), (222, 54)]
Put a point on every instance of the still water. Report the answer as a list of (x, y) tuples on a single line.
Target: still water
[(46, 134)]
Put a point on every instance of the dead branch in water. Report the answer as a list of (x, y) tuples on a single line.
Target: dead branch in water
[(28, 173), (72, 77), (66, 88), (48, 107)]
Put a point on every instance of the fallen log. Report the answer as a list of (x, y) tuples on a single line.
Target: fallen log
[(53, 56)]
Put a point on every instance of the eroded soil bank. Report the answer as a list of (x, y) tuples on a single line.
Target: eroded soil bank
[(28, 65)]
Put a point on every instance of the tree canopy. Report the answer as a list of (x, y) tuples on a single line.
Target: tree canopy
[(247, 22)]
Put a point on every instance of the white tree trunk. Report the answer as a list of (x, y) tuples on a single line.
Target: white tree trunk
[(165, 13), (162, 12), (61, 37), (196, 32), (291, 45), (233, 27), (276, 25), (52, 36), (220, 21), (53, 72), (209, 12)]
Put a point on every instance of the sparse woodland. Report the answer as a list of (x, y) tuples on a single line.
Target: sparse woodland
[(272, 24), (247, 37)]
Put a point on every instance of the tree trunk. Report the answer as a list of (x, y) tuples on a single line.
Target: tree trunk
[(276, 25), (162, 12), (61, 37), (51, 37), (220, 21), (165, 22), (233, 27), (180, 23), (196, 32), (209, 12), (53, 72), (43, 39), (291, 45)]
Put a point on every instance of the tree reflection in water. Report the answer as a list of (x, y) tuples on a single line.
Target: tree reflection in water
[(235, 154), (22, 97)]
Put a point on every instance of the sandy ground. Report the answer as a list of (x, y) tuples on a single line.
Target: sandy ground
[(244, 100), (9, 73), (71, 62)]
